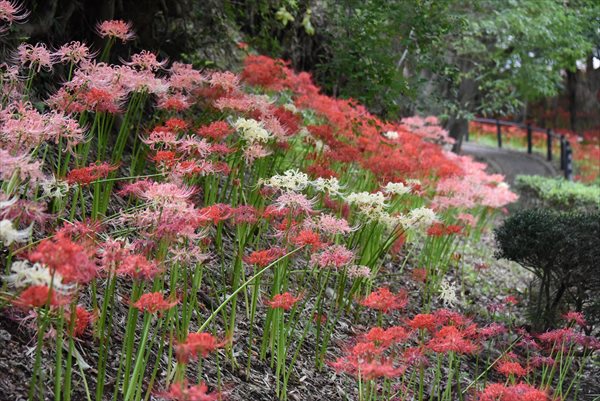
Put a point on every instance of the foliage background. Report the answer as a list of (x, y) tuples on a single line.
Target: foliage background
[(450, 58)]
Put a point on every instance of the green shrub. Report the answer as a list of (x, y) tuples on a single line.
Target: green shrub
[(559, 194), (563, 252)]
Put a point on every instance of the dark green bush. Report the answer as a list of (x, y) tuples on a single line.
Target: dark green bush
[(562, 250)]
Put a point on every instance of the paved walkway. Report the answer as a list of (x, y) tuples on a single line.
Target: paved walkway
[(510, 163)]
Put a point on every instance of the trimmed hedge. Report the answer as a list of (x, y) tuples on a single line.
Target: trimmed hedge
[(559, 193), (563, 252)]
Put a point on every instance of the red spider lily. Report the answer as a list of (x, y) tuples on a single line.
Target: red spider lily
[(138, 267), (154, 302), (320, 169), (265, 71), (367, 369), (335, 256), (215, 213), (289, 120), (385, 301), (245, 214), (226, 80), (176, 124), (198, 344), (511, 368), (165, 158), (451, 339), (26, 212), (439, 229), (284, 301), (216, 130), (576, 317), (377, 369), (512, 300), (448, 317), (365, 350), (116, 29), (11, 11), (184, 392), (73, 52), (517, 392), (264, 257), (308, 238), (331, 225), (274, 211), (87, 175), (174, 102), (415, 356), (538, 361), (492, 330), (72, 261), (562, 337), (145, 60), (419, 274), (101, 100), (83, 318), (37, 296), (387, 337), (423, 321), (85, 233), (34, 57)]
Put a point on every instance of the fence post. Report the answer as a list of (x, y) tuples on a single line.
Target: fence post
[(529, 139), (499, 133), (549, 143), (562, 153), (568, 161)]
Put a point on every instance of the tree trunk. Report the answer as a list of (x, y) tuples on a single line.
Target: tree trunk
[(572, 96), (458, 126)]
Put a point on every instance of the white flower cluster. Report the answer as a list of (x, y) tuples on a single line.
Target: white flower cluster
[(330, 185), (290, 181), (252, 130), (391, 135), (9, 234), (369, 204), (390, 221), (448, 294), (396, 188), (421, 217), (24, 275), (55, 189), (291, 107)]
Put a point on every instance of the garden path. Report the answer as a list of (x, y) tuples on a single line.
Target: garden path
[(510, 163)]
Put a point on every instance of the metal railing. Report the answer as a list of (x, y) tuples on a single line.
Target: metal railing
[(566, 151)]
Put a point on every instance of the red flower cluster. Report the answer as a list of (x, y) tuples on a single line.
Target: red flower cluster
[(154, 302), (264, 257), (138, 267), (216, 130), (284, 301), (184, 392), (87, 175), (517, 392), (452, 339), (71, 260), (37, 296), (198, 344), (385, 301), (439, 229)]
